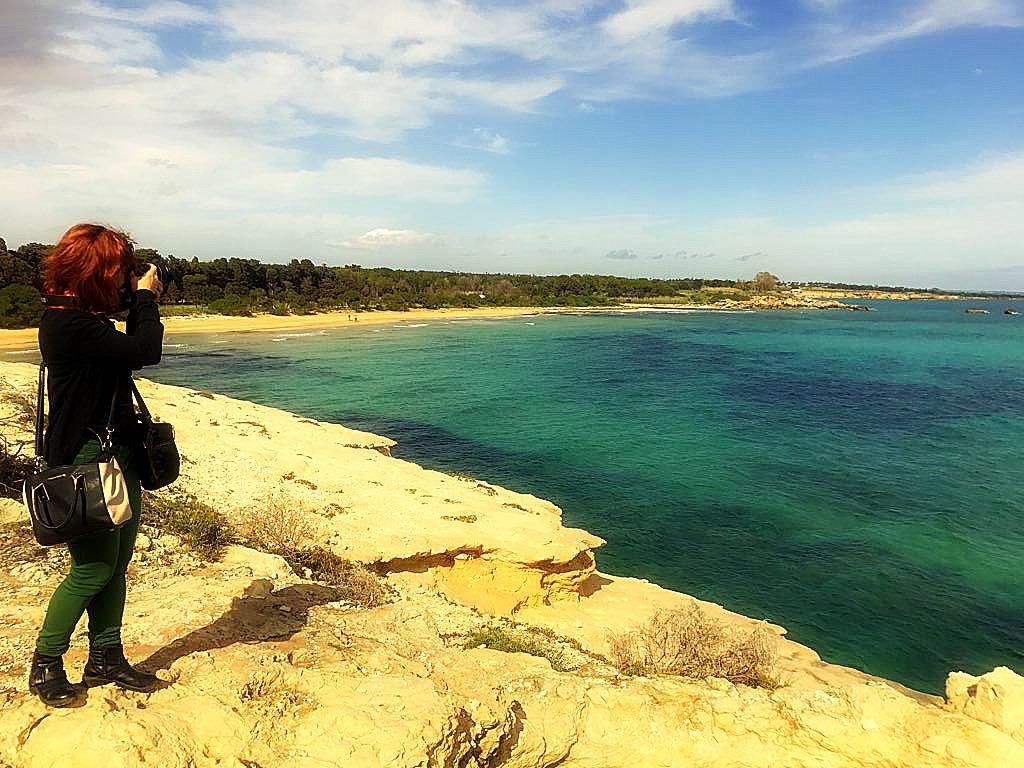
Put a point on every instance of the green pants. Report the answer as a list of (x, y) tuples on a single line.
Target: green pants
[(96, 583)]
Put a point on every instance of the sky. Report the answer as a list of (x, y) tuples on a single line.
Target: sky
[(866, 141)]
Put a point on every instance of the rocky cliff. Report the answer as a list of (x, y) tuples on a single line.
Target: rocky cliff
[(266, 666)]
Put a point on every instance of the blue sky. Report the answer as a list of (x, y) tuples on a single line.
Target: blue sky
[(874, 142)]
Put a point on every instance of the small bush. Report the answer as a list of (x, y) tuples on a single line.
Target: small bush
[(180, 310), (20, 405), (20, 306), (202, 528), (282, 528), (15, 466), (357, 583), (517, 641), (689, 643), (231, 305)]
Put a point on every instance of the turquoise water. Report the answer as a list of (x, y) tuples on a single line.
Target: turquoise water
[(855, 477)]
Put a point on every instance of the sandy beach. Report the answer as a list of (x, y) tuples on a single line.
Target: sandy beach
[(25, 339)]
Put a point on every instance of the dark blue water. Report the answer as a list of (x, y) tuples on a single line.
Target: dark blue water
[(855, 477)]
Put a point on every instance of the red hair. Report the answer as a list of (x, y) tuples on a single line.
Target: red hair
[(86, 264)]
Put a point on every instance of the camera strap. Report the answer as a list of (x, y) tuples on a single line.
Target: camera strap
[(56, 300)]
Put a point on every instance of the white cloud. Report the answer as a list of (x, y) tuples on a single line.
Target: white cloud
[(997, 180), (924, 18), (643, 17), (488, 141), (400, 33), (622, 254), (162, 12), (381, 237)]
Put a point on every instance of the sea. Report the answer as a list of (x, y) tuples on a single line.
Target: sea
[(857, 477)]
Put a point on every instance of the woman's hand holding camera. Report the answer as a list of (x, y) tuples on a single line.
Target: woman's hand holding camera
[(149, 281)]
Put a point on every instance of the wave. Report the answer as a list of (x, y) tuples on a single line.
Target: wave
[(301, 334)]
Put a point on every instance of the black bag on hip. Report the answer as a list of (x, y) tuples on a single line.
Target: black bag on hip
[(158, 460), (68, 502)]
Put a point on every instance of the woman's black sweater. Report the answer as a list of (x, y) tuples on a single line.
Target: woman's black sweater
[(86, 356)]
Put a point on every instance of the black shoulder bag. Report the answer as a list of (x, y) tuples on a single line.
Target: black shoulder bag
[(158, 460), (76, 500)]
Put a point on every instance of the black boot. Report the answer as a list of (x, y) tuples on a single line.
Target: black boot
[(48, 680), (108, 665)]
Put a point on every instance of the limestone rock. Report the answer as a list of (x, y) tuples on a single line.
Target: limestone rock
[(12, 511), (996, 698)]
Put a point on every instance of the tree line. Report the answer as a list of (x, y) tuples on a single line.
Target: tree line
[(245, 286)]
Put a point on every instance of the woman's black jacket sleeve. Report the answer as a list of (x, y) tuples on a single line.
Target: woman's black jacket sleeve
[(140, 346)]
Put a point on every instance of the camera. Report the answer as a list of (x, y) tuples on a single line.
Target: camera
[(161, 271), (128, 295)]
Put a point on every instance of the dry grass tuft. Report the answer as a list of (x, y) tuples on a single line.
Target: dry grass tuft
[(20, 406), (283, 527), (18, 414), (357, 583), (18, 545), (15, 466), (690, 643)]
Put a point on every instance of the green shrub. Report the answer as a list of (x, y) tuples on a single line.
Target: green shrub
[(20, 306), (202, 528), (231, 305), (180, 310), (519, 641)]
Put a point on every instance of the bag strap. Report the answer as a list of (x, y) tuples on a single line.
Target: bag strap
[(40, 405), (41, 412), (147, 418), (110, 418)]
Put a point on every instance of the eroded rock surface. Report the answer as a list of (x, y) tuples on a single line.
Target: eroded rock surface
[(265, 668)]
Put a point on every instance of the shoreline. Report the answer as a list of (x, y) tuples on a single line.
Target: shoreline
[(24, 339)]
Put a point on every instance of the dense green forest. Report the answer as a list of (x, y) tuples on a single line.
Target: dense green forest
[(245, 286)]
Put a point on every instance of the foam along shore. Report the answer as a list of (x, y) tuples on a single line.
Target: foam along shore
[(267, 667), (26, 338)]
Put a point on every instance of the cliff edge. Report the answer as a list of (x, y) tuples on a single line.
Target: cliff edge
[(265, 665)]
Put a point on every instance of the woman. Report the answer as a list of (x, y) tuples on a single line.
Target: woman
[(89, 275)]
